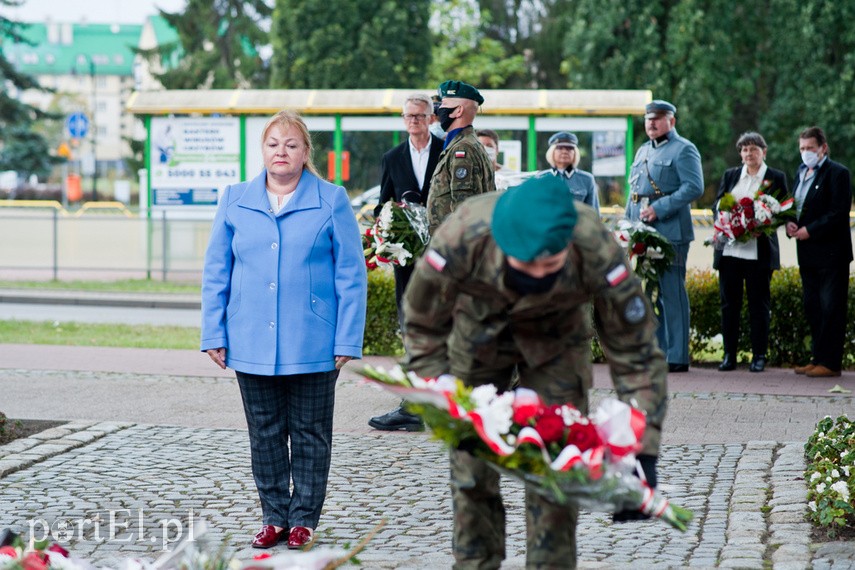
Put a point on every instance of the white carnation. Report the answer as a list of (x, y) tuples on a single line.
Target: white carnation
[(842, 489)]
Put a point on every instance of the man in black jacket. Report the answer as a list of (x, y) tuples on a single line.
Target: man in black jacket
[(823, 199), (405, 174)]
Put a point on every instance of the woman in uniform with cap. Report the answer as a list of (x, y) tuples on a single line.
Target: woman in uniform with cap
[(563, 156)]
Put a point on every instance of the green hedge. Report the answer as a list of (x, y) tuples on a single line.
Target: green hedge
[(381, 322), (789, 335)]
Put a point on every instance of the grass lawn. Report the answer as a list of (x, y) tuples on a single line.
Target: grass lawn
[(126, 285), (86, 334)]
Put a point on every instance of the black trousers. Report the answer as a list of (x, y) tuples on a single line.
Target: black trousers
[(825, 297), (402, 277), (736, 274)]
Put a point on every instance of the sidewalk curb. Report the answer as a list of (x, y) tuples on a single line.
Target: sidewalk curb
[(109, 299)]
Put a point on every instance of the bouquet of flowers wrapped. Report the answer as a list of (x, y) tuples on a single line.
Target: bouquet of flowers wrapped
[(741, 220), (399, 234), (573, 459), (196, 552), (650, 254), (505, 180)]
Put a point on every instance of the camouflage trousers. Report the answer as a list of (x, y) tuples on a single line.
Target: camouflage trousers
[(478, 540)]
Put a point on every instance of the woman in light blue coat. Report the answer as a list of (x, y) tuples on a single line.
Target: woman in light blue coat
[(283, 304)]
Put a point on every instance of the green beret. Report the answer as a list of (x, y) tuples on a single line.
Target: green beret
[(459, 89), (535, 219)]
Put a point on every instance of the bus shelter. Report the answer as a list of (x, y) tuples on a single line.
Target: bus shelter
[(198, 141)]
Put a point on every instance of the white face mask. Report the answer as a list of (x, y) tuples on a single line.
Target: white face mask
[(810, 158), (436, 130), (491, 152)]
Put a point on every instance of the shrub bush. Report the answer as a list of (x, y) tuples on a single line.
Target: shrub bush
[(789, 334), (381, 321), (830, 475)]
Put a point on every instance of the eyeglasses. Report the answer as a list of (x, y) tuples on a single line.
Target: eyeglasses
[(416, 117)]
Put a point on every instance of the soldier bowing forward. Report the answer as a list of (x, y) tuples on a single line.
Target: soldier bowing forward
[(507, 284)]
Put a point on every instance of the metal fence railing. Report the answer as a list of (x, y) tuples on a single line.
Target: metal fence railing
[(111, 242), (51, 245)]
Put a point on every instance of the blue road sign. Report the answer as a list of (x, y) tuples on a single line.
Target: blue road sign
[(77, 125)]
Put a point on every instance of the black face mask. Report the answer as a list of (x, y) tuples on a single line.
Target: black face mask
[(443, 114), (525, 284)]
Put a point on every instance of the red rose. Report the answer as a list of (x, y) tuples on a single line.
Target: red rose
[(584, 436), (746, 202), (9, 551), (58, 549), (33, 561), (527, 406), (550, 425), (749, 212), (638, 248)]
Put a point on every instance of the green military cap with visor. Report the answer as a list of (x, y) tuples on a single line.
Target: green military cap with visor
[(535, 219), (459, 89)]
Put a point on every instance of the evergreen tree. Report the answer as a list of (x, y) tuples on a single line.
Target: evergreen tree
[(350, 44), (219, 41), (21, 148)]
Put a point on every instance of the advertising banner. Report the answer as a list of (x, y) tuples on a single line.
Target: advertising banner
[(192, 159)]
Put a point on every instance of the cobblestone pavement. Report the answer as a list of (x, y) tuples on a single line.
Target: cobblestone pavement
[(151, 480)]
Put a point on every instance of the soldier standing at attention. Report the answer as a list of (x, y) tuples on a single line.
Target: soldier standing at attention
[(464, 169), (507, 283), (665, 179)]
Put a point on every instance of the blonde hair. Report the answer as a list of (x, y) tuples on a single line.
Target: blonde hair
[(551, 160), (287, 119)]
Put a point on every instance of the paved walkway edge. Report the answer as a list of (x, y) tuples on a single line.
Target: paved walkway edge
[(24, 452)]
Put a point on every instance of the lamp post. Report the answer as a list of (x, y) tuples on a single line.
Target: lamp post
[(92, 122)]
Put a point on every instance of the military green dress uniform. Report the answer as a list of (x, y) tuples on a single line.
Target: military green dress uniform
[(464, 169), (463, 318)]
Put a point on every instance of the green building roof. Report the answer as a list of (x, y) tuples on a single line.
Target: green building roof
[(56, 52)]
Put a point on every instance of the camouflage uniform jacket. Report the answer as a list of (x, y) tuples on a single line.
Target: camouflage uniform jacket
[(458, 309), (463, 170)]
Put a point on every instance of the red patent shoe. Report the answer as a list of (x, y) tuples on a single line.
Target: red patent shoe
[(267, 537), (300, 536)]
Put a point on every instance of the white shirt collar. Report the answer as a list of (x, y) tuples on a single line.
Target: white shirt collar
[(761, 173)]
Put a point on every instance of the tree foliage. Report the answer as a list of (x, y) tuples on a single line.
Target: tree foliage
[(775, 66), (349, 44), (21, 148), (462, 48), (220, 41)]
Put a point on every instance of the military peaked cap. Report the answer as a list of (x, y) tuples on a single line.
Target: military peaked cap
[(564, 138), (657, 107)]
